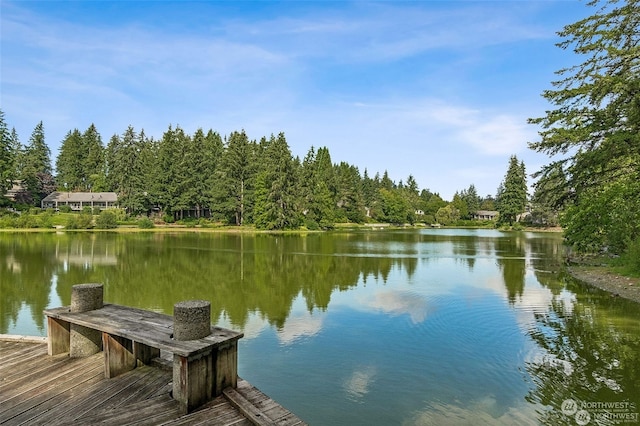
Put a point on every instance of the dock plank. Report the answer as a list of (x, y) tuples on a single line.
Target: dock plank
[(58, 390)]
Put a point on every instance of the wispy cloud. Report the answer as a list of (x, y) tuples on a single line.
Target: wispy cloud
[(385, 86)]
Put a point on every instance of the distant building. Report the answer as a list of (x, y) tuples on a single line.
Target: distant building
[(485, 215), (16, 189), (78, 200)]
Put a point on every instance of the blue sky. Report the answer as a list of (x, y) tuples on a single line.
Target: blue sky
[(439, 90)]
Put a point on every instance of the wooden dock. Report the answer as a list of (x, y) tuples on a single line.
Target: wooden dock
[(38, 389)]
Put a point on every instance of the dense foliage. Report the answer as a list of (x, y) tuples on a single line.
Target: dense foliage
[(593, 132), (233, 179)]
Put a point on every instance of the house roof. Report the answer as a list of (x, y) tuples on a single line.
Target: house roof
[(487, 213), (85, 197)]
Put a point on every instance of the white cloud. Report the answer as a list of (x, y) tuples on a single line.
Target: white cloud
[(299, 325), (400, 303), (357, 385)]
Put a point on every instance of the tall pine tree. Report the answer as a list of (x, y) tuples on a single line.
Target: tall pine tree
[(7, 162), (36, 169), (233, 194), (593, 130), (275, 188), (512, 195)]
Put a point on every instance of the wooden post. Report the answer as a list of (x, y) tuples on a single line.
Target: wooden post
[(225, 368), (118, 355), (192, 379)]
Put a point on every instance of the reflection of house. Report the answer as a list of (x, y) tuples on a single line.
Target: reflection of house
[(485, 215), (78, 200), (83, 254)]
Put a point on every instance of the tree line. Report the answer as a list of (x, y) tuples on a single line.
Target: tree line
[(232, 179)]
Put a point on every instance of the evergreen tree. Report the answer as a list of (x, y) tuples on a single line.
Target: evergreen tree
[(171, 171), (386, 182), (593, 130), (459, 202), (93, 176), (69, 163), (36, 169), (233, 195), (317, 201), (148, 161), (18, 153), (127, 170), (370, 193), (412, 194), (109, 165), (38, 154), (7, 160), (512, 196), (187, 173), (349, 193), (275, 188), (471, 198), (213, 150)]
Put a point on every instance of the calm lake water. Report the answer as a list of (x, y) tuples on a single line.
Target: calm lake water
[(414, 327)]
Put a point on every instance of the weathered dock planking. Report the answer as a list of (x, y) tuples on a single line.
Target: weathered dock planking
[(38, 389)]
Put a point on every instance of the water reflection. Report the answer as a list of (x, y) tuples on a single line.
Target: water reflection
[(592, 355), (457, 325)]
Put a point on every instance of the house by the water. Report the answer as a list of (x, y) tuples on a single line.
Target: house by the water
[(78, 200), (485, 215)]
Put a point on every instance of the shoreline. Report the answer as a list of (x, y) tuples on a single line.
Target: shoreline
[(606, 279), (253, 230)]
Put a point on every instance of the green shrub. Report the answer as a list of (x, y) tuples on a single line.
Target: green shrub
[(35, 210), (85, 221), (429, 219), (631, 257), (106, 220), (168, 218), (8, 221), (517, 226), (71, 223), (97, 211), (26, 220), (81, 221), (65, 208), (145, 223), (189, 222), (311, 225), (45, 220), (87, 210)]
